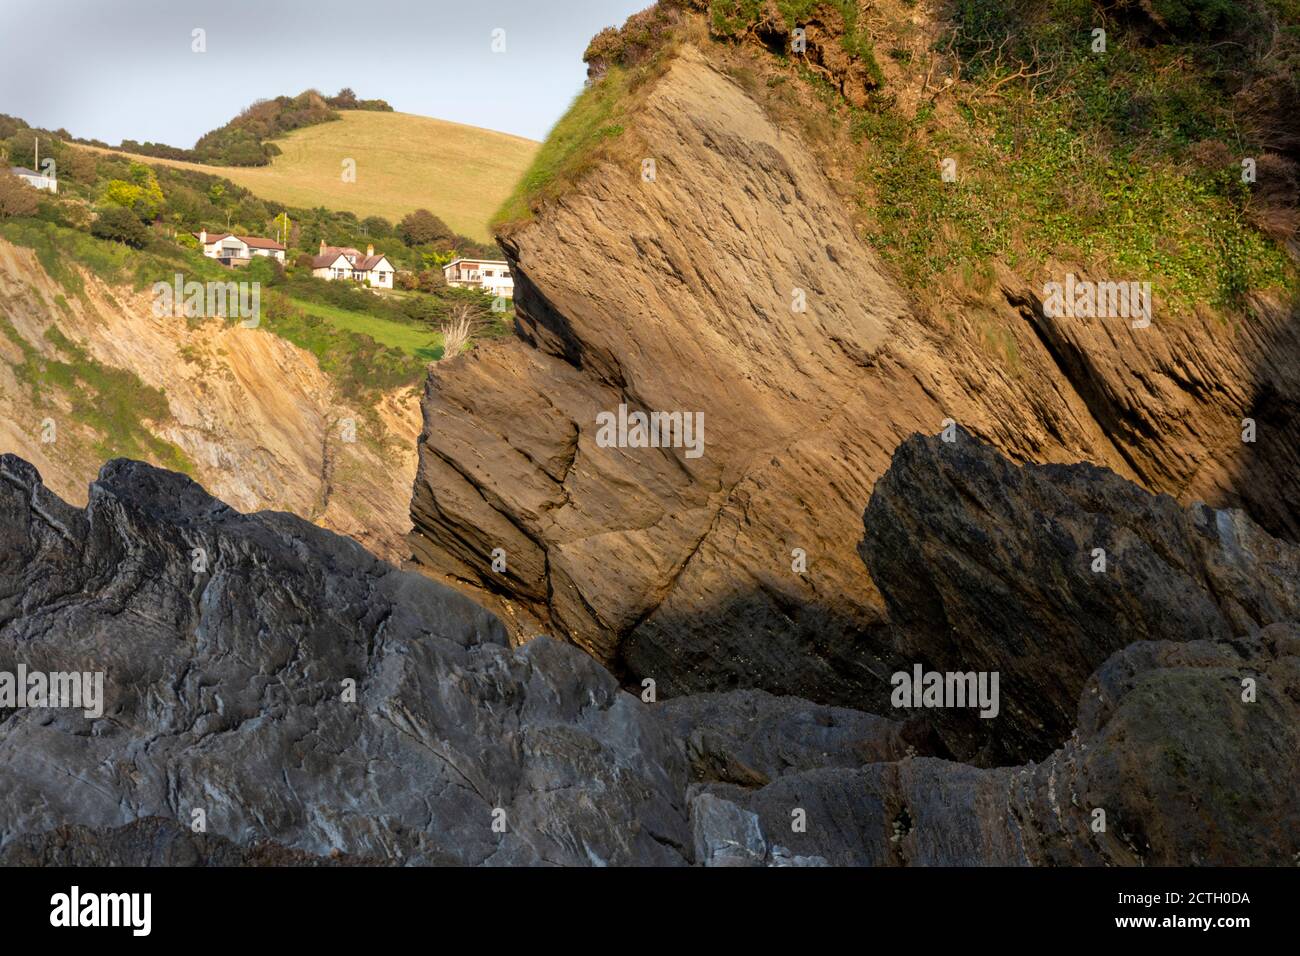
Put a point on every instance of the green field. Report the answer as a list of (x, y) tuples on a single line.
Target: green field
[(403, 162), (419, 342)]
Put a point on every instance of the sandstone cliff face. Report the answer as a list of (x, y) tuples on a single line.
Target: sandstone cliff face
[(682, 294), (254, 414), (318, 705)]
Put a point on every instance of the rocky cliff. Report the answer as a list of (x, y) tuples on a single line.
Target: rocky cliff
[(254, 415), (734, 283), (298, 701)]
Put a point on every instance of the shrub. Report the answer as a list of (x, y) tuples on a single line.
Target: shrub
[(120, 225), (16, 197)]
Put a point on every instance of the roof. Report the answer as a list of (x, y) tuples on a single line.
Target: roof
[(482, 262), (358, 261), (256, 242), (24, 171)]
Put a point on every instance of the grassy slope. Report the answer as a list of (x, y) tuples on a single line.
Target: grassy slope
[(112, 401), (413, 339), (404, 162), (571, 148)]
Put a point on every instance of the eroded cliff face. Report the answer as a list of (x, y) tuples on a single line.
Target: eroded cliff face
[(258, 420), (684, 294)]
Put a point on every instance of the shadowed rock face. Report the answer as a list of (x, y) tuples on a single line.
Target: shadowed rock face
[(225, 692), (680, 294), (1042, 572), (1185, 772)]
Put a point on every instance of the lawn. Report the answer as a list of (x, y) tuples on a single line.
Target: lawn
[(422, 343)]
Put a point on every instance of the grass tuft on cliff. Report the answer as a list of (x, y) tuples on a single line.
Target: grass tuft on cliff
[(574, 145), (733, 18)]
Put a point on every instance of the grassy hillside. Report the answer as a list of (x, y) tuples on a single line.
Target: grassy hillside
[(403, 163)]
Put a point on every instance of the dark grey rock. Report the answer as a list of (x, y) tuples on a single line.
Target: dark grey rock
[(988, 566), (225, 693)]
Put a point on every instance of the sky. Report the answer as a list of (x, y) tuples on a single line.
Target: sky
[(127, 70)]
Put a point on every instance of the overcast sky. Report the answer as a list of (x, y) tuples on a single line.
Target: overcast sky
[(125, 70)]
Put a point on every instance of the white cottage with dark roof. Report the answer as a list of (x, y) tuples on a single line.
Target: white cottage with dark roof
[(344, 262), (230, 249), (33, 178)]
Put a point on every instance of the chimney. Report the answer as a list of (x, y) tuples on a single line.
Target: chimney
[(203, 237), (370, 249), (322, 247)]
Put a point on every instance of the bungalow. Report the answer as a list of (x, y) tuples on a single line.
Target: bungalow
[(490, 275), (237, 250), (344, 262), (38, 180)]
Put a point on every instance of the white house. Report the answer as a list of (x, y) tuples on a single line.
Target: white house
[(231, 249), (39, 180), (490, 275), (344, 262)]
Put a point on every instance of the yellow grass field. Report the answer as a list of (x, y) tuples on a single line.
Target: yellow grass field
[(403, 162)]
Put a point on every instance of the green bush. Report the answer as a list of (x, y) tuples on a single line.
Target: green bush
[(120, 225)]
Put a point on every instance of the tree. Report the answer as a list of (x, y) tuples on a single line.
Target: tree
[(377, 227), (142, 195), (120, 225), (21, 148), (422, 226), (79, 165), (436, 260), (16, 197), (252, 212)]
